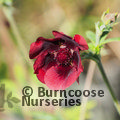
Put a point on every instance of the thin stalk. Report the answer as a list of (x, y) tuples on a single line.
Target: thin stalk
[(8, 13), (88, 82), (116, 103)]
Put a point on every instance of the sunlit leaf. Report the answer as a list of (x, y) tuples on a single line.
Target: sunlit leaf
[(103, 38), (97, 49), (109, 40), (91, 47), (91, 36)]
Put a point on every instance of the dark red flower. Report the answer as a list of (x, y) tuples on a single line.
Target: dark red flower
[(58, 63)]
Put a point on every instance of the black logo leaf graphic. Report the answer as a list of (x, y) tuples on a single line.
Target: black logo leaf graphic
[(9, 95), (15, 100), (7, 99), (11, 100), (10, 105)]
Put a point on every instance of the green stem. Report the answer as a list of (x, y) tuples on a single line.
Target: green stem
[(116, 103), (8, 13)]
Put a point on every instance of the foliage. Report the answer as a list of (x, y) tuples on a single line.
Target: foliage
[(103, 27)]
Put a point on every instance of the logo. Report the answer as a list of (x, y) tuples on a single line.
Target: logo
[(8, 100), (56, 97)]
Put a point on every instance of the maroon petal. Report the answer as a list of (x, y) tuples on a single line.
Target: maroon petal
[(39, 62), (60, 77), (60, 35), (35, 48), (80, 69), (77, 61), (40, 75), (81, 41), (49, 62), (69, 42), (42, 44), (49, 39)]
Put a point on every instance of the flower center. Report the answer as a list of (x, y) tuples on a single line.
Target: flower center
[(64, 56)]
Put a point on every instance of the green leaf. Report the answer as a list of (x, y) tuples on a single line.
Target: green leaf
[(10, 105), (15, 100), (109, 40), (97, 49), (91, 36), (9, 95), (91, 47), (107, 11), (89, 55), (103, 38), (103, 15)]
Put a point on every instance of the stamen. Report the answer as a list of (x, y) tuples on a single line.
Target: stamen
[(62, 46), (71, 50)]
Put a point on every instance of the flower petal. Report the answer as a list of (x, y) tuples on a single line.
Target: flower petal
[(77, 61), (81, 41), (49, 62), (40, 75), (40, 61), (35, 48), (40, 45), (69, 42), (60, 35), (45, 61), (58, 77)]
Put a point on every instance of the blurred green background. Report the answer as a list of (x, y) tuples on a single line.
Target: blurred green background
[(22, 22)]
